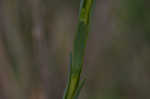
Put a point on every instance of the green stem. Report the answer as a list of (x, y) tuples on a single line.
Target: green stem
[(79, 49)]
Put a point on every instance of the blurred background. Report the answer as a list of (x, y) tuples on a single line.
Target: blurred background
[(36, 38)]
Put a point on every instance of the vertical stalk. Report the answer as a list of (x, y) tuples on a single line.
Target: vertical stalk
[(74, 86)]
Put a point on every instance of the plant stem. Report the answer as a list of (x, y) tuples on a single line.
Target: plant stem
[(79, 46)]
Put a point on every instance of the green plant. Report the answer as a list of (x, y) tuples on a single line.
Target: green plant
[(74, 85)]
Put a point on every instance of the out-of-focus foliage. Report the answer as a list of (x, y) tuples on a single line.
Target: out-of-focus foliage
[(36, 39)]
